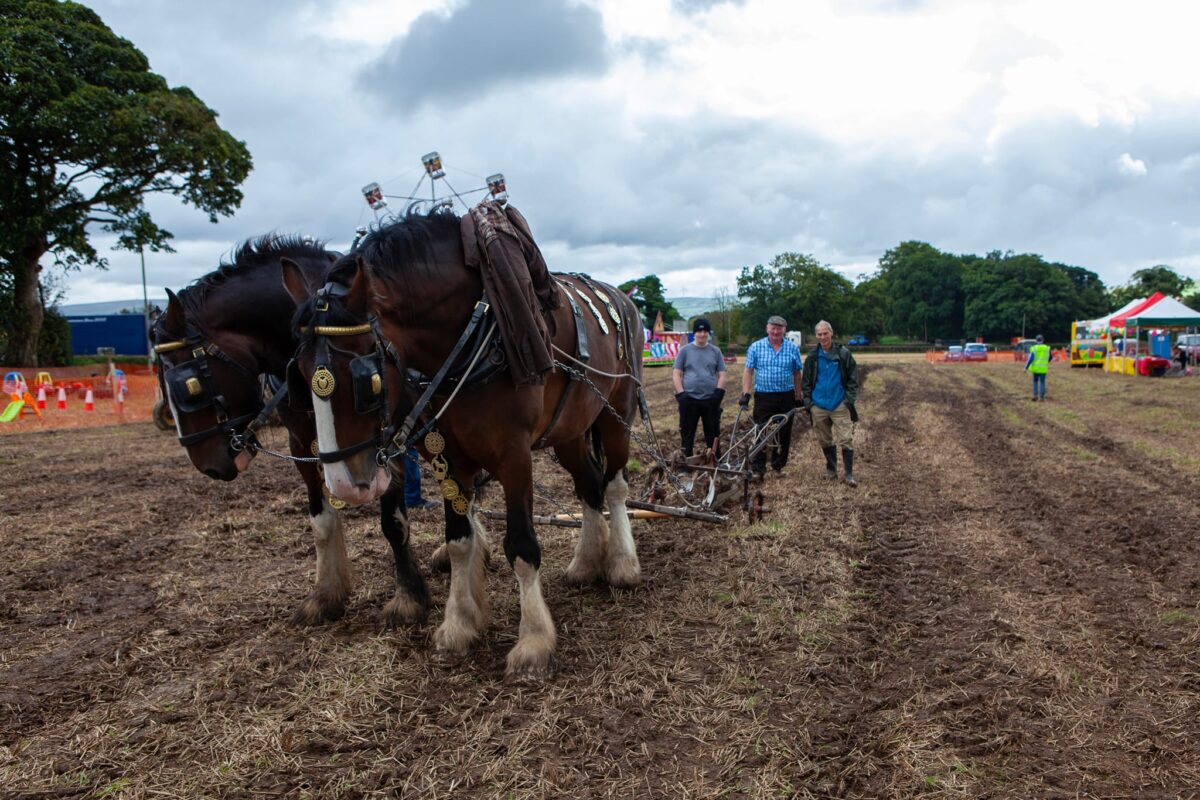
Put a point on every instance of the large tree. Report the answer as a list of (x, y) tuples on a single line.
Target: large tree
[(86, 132), (871, 306), (925, 289), (650, 300), (797, 287), (1146, 282), (1008, 294)]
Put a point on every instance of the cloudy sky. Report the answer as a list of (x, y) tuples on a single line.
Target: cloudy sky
[(689, 138)]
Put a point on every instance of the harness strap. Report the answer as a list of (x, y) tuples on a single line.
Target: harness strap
[(581, 338), (277, 396), (226, 426), (603, 295), (595, 311), (401, 438)]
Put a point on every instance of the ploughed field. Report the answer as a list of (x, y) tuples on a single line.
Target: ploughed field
[(1007, 606)]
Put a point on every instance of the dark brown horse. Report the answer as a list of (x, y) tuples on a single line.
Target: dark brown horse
[(215, 339), (402, 302)]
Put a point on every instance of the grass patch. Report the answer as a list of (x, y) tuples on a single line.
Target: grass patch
[(635, 466), (1012, 417), (1081, 454), (1177, 616)]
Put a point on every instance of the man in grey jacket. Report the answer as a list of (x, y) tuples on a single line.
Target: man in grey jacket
[(830, 382)]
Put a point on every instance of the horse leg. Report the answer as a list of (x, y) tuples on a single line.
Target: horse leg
[(440, 560), (410, 604), (587, 565), (327, 601), (621, 567), (533, 655), (466, 607)]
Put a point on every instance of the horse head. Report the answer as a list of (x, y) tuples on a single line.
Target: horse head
[(345, 372), (212, 392)]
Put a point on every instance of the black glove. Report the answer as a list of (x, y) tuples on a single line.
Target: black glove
[(679, 396), (853, 412), (745, 401), (718, 396)]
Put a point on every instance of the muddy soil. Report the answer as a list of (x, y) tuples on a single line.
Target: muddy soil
[(1007, 606)]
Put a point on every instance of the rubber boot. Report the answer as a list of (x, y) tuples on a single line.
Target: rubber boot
[(830, 462), (848, 460)]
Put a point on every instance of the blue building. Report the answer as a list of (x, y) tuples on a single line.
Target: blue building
[(125, 333)]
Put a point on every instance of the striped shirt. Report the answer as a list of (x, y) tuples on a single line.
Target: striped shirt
[(773, 370)]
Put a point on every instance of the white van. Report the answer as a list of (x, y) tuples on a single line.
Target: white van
[(795, 337)]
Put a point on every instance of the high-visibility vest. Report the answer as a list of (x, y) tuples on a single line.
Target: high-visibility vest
[(1041, 359)]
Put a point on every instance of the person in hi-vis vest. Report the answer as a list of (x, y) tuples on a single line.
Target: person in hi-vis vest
[(1038, 365)]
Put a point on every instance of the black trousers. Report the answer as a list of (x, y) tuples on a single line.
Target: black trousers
[(766, 405), (692, 411)]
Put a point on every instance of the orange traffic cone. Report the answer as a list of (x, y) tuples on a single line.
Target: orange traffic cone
[(41, 401), (89, 402), (62, 397)]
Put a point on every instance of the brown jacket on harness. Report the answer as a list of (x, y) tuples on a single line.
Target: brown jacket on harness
[(497, 241)]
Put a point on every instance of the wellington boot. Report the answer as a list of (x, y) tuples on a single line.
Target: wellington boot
[(830, 462), (848, 460)]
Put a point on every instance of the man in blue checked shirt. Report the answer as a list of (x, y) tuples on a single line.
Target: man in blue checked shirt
[(773, 370)]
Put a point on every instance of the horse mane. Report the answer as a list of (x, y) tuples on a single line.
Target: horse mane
[(400, 252), (251, 255)]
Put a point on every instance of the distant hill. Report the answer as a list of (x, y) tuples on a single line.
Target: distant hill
[(693, 306)]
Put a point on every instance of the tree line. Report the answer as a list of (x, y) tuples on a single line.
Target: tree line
[(920, 293)]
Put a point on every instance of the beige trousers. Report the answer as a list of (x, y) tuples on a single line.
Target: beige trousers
[(834, 428)]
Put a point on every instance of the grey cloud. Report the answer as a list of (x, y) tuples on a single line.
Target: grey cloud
[(690, 7), (486, 43)]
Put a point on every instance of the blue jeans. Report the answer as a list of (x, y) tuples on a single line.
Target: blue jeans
[(1039, 384), (412, 478)]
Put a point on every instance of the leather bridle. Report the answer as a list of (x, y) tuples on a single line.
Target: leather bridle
[(189, 386)]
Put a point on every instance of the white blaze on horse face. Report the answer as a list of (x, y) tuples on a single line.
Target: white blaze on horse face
[(338, 480)]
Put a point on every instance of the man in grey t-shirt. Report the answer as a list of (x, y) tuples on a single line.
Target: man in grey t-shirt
[(699, 377)]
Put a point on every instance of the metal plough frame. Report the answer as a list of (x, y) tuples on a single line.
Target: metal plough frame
[(709, 487)]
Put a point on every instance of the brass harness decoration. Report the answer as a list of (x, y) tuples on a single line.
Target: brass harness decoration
[(323, 382), (435, 445)]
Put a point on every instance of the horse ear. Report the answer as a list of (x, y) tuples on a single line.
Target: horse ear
[(174, 318), (357, 297), (294, 281)]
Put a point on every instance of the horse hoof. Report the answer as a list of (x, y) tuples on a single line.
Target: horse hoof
[(402, 610), (578, 575), (625, 573), (532, 659), (440, 560), (315, 610), (453, 638)]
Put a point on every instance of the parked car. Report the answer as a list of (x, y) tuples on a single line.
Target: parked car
[(954, 353), (1189, 343), (1023, 346), (975, 352), (859, 340)]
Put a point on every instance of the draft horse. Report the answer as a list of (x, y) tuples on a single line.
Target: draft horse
[(215, 341), (405, 305)]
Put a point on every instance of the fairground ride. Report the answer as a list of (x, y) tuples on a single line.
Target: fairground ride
[(1085, 351)]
